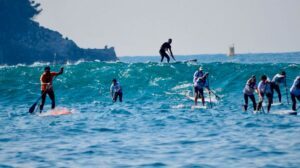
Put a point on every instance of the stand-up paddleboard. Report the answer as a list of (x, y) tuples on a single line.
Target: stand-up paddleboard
[(277, 112), (277, 104), (199, 107), (187, 61), (283, 112), (213, 99), (57, 112), (274, 104), (192, 60)]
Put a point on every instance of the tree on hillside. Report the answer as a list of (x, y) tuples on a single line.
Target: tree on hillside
[(16, 14)]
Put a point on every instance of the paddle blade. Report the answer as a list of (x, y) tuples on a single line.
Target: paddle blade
[(32, 108)]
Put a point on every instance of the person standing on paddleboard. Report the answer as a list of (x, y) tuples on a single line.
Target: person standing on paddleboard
[(163, 51), (249, 92), (116, 91), (295, 92), (46, 86), (264, 88), (199, 84), (278, 79)]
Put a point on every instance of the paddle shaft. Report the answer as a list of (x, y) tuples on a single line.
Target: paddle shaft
[(209, 93), (218, 97), (286, 92)]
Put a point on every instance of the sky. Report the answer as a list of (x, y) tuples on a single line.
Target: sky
[(139, 27)]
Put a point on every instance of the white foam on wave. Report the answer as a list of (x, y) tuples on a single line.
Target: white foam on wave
[(11, 66), (76, 62), (182, 86), (35, 64), (38, 64)]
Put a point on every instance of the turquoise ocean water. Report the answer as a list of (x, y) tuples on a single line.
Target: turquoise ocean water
[(155, 126)]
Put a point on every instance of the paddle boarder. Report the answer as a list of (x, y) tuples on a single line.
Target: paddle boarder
[(249, 92), (295, 92), (278, 79), (264, 89), (46, 86), (116, 91), (165, 47), (200, 83)]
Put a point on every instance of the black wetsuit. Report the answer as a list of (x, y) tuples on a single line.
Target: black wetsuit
[(276, 87), (164, 47), (294, 97), (118, 94)]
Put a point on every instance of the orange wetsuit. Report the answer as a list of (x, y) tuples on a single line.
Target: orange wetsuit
[(46, 79)]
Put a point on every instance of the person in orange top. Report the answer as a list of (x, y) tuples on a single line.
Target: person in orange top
[(46, 85)]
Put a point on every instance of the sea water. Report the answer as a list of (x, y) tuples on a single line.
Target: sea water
[(155, 126)]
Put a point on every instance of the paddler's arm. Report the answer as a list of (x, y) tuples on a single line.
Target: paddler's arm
[(256, 89), (204, 76), (171, 53), (61, 71), (120, 88)]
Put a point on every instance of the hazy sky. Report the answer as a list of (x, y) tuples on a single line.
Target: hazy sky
[(138, 27)]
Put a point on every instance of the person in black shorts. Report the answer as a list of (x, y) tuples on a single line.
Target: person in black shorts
[(163, 51), (199, 84), (264, 89), (248, 91), (276, 81), (116, 91)]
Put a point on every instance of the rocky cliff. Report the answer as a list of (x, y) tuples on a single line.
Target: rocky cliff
[(22, 40)]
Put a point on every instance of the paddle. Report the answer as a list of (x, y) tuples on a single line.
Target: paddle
[(286, 92), (32, 108), (218, 97), (209, 93)]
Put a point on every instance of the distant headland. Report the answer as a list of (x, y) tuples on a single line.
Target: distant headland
[(22, 40)]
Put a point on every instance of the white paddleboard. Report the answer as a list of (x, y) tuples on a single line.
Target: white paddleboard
[(284, 112), (213, 99), (274, 104), (199, 107), (277, 104)]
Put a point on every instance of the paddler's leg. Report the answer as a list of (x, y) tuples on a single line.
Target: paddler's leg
[(120, 96), (253, 101), (202, 96), (162, 56), (270, 101), (277, 89), (52, 97), (260, 103), (196, 95), (293, 102), (298, 98), (246, 102), (115, 97), (162, 59), (168, 58), (43, 101)]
